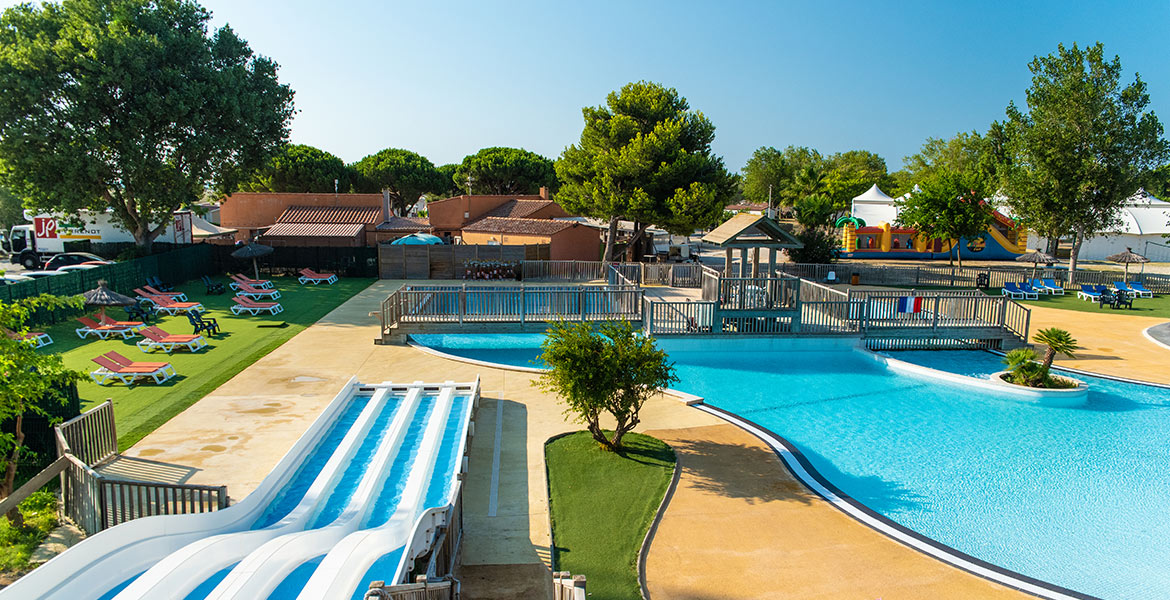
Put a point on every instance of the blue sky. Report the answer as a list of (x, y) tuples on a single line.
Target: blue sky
[(447, 78)]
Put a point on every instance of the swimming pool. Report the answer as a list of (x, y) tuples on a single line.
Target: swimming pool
[(1077, 497)]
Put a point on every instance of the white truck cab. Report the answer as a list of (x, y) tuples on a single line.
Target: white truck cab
[(31, 244)]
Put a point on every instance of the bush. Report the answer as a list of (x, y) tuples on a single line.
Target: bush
[(18, 543), (820, 246)]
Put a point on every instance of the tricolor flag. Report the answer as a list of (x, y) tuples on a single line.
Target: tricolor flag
[(910, 304)]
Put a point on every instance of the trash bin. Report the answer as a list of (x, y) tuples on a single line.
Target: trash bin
[(855, 279), (982, 280)]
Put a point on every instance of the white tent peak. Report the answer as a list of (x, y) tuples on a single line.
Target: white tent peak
[(873, 194)]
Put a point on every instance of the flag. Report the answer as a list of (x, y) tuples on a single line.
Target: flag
[(910, 304)]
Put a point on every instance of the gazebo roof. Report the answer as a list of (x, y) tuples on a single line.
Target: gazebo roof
[(751, 231)]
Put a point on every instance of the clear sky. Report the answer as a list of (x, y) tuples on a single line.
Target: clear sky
[(447, 78)]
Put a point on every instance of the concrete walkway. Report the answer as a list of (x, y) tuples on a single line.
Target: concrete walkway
[(740, 526)]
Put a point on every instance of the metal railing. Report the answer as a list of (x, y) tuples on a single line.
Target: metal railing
[(669, 317), (947, 276), (758, 293)]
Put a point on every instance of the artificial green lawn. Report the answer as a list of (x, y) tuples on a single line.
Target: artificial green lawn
[(1158, 306), (143, 407), (601, 504)]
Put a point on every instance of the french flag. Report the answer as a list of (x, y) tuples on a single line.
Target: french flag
[(910, 304)]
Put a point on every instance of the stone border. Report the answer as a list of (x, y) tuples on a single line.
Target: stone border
[(803, 471)]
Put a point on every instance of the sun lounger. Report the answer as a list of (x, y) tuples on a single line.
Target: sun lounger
[(171, 307), (110, 369), (237, 279), (105, 319), (1088, 292), (102, 331), (1141, 290), (154, 338), (1012, 291), (1053, 289), (37, 339), (1038, 286), (180, 296), (310, 276), (256, 293), (245, 304), (1129, 289), (1029, 293)]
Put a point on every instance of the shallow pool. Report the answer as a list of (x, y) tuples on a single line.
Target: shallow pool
[(1079, 497)]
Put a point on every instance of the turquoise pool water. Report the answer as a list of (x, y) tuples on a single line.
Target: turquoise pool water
[(1079, 497)]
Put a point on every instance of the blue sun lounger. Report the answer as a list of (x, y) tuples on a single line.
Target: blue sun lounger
[(1029, 293), (1053, 289), (1141, 290), (1088, 292)]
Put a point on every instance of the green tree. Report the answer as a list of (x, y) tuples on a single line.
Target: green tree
[(505, 171), (645, 157), (949, 205), (603, 369), (299, 168), (814, 218), (131, 105), (1023, 368), (31, 379), (1085, 144), (961, 153), (404, 174), (1057, 341), (787, 175), (451, 189), (848, 174), (11, 210)]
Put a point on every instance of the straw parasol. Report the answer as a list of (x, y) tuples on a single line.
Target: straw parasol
[(1127, 258), (253, 251), (1036, 257), (103, 296)]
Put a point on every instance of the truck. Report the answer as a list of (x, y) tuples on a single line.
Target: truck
[(45, 235)]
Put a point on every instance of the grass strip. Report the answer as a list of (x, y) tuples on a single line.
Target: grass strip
[(601, 505)]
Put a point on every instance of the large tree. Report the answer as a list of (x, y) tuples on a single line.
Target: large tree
[(948, 205), (1082, 147), (133, 106), (645, 157), (783, 176), (404, 174), (505, 171), (31, 380), (301, 168), (11, 210), (449, 187), (848, 174)]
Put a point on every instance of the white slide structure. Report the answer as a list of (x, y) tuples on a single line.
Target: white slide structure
[(183, 571), (105, 560), (345, 566)]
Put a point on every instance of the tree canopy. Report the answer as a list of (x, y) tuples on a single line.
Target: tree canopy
[(449, 187), (1084, 145), (604, 368), (31, 380), (645, 157), (131, 105), (798, 172), (299, 168), (505, 171), (404, 174), (948, 205)]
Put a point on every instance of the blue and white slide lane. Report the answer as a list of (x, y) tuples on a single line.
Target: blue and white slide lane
[(184, 570), (346, 565), (106, 560), (264, 569)]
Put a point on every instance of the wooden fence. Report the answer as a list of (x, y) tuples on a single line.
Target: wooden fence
[(946, 276), (96, 502), (448, 261), (568, 587), (509, 304), (423, 590)]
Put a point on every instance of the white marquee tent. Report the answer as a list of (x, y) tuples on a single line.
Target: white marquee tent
[(874, 207), (1144, 221)]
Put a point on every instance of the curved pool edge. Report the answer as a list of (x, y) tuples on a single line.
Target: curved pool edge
[(800, 468), (1150, 336)]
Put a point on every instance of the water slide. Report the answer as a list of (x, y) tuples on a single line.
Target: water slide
[(190, 567), (345, 456), (383, 552)]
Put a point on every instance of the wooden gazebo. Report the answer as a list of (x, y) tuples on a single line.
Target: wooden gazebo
[(751, 232)]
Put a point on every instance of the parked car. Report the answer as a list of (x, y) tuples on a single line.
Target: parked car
[(81, 267), (73, 258), (40, 274), (11, 279)]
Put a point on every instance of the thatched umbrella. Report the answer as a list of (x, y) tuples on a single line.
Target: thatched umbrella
[(103, 296), (253, 251), (1036, 257), (1127, 258)]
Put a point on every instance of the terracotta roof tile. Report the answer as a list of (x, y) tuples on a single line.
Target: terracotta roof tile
[(519, 226), (405, 224), (518, 208), (315, 230), (369, 215)]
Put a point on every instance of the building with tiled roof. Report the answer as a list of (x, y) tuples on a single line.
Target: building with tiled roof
[(405, 225), (567, 240), (314, 234), (366, 215)]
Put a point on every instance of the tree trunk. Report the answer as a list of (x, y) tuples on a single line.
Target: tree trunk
[(959, 252), (1072, 257), (610, 236), (633, 250), (14, 515), (143, 238)]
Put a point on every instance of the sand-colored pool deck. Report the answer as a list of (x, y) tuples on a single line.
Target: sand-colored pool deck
[(739, 526)]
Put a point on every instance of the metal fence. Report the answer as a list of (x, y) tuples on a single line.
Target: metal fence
[(172, 267)]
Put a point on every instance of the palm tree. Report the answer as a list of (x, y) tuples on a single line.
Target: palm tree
[(1058, 341), (1021, 363)]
